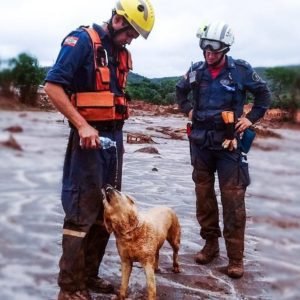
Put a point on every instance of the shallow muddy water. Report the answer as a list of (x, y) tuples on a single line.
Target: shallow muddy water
[(31, 215)]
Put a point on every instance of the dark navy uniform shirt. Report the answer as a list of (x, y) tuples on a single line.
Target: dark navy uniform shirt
[(74, 68), (225, 92)]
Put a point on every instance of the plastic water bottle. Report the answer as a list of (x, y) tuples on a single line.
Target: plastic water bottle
[(107, 143)]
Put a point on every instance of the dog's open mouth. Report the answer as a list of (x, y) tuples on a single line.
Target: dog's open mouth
[(108, 191)]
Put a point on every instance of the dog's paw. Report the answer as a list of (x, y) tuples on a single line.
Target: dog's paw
[(176, 269), (119, 297)]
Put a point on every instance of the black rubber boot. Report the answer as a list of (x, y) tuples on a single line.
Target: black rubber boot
[(209, 252)]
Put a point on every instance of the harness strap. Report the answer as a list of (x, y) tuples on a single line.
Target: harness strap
[(100, 60)]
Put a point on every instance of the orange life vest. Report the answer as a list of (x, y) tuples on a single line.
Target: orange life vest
[(102, 104)]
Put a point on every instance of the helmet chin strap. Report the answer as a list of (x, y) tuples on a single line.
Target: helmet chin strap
[(220, 59), (112, 32)]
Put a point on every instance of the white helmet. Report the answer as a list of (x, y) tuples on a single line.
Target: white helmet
[(217, 36)]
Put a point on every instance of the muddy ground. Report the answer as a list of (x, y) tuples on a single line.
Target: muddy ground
[(31, 215)]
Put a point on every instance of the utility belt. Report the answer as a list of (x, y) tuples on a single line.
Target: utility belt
[(108, 126), (209, 125), (100, 106)]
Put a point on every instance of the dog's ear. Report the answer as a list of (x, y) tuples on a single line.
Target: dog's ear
[(130, 199), (108, 225)]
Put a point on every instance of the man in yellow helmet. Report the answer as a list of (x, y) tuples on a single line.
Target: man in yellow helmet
[(87, 85)]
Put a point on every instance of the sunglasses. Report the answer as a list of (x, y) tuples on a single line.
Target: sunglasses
[(213, 46)]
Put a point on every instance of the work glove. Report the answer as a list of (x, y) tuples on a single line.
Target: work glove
[(230, 141)]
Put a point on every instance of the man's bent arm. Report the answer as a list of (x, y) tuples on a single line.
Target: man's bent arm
[(61, 101), (88, 134)]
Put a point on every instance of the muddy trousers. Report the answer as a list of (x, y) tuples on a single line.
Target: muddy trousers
[(81, 258), (84, 234), (233, 178)]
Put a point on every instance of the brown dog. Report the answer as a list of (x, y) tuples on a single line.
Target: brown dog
[(140, 236)]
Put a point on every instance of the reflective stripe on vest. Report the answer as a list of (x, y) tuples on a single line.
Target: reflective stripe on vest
[(102, 104)]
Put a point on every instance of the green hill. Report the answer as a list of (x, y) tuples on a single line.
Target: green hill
[(136, 78), (162, 90)]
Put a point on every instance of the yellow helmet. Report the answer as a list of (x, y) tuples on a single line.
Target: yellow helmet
[(138, 13)]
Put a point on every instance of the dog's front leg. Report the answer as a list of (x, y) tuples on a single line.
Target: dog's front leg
[(126, 266), (150, 277)]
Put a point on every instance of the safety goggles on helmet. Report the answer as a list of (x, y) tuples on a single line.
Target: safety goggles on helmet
[(214, 46)]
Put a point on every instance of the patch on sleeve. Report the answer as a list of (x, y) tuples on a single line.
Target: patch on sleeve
[(71, 41), (255, 77)]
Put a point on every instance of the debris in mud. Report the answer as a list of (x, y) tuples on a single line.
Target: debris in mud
[(284, 224), (140, 108), (154, 169), (138, 138), (277, 114), (265, 133), (151, 150), (175, 134), (264, 148), (14, 129), (12, 143)]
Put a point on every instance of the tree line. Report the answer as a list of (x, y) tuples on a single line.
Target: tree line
[(284, 83), (22, 75)]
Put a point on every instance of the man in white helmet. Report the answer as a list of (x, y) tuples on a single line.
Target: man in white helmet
[(87, 85), (219, 86)]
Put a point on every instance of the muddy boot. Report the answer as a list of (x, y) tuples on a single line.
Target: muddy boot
[(79, 295), (235, 268), (99, 285), (208, 253)]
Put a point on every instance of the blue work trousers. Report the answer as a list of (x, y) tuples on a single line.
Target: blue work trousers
[(85, 237)]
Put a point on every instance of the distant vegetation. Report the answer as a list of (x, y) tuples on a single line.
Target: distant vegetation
[(21, 77), (285, 86), (156, 91), (284, 83), (23, 74)]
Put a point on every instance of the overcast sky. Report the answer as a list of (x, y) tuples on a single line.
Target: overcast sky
[(266, 31)]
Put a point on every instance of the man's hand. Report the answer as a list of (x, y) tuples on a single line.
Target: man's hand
[(89, 137), (242, 124)]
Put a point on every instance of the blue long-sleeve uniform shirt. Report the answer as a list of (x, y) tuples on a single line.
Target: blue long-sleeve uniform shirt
[(74, 68), (225, 92)]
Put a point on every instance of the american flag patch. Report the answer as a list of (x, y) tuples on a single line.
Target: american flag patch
[(70, 41)]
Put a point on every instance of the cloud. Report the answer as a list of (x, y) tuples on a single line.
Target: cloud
[(266, 31)]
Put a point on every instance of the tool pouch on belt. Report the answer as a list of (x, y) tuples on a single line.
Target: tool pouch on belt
[(228, 119), (229, 128)]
